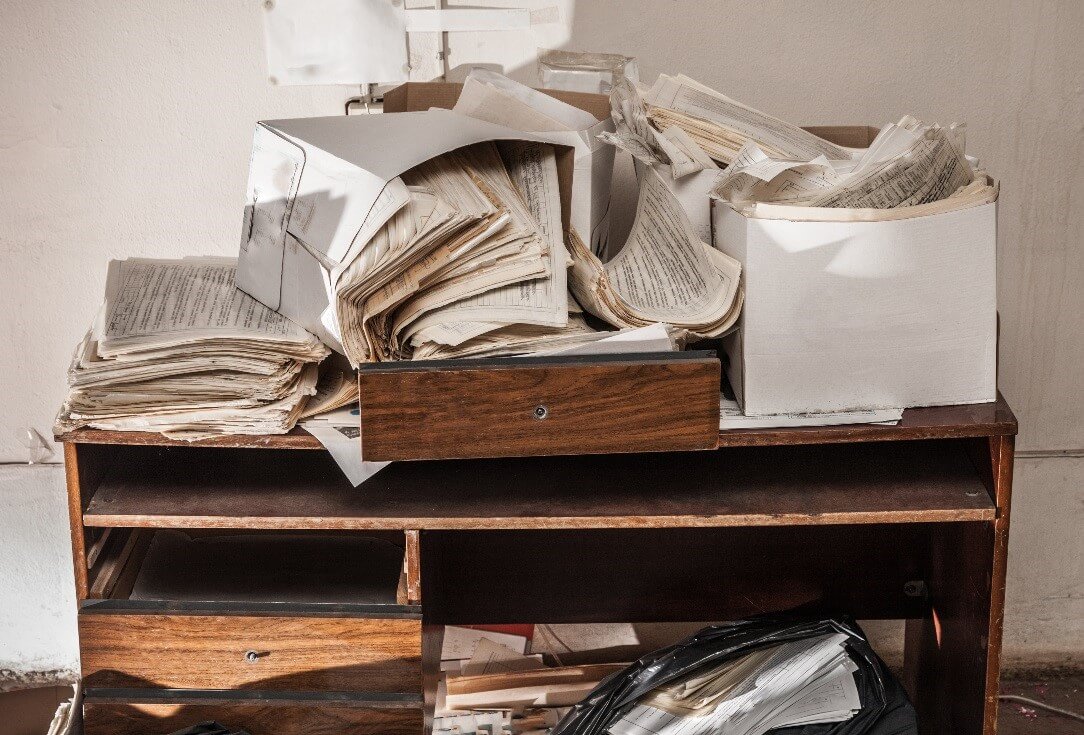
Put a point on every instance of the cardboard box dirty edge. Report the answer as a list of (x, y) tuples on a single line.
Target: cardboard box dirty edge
[(308, 200), (863, 315), (856, 315)]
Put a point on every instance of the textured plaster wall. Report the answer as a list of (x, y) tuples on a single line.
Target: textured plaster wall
[(125, 129)]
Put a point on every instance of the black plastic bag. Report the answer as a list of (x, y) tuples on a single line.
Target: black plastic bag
[(885, 707)]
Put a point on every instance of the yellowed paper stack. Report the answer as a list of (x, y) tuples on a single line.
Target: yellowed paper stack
[(178, 349)]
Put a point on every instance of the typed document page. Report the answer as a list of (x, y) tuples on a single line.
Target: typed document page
[(664, 271)]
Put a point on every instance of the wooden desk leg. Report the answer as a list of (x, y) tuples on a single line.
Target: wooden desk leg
[(75, 519), (952, 657)]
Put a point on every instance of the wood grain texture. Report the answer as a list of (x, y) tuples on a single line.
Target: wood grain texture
[(953, 653), (412, 560), (75, 520), (936, 422), (118, 564), (268, 717), (897, 482), (1001, 458), (589, 408), (294, 439), (208, 652)]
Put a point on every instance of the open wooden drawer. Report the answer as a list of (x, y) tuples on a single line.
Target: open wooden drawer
[(537, 406), (299, 629)]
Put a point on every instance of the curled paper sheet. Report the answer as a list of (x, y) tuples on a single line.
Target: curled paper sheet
[(665, 273)]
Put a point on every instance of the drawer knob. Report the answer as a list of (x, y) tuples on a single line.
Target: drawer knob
[(541, 412), (254, 656)]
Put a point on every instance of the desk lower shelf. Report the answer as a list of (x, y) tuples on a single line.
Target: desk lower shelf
[(903, 482)]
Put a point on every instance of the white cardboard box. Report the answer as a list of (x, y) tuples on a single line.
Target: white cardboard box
[(843, 316), (316, 184)]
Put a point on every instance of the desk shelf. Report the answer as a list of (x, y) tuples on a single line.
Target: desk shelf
[(914, 482), (890, 522), (937, 422)]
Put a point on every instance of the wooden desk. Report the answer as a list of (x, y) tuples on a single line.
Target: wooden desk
[(903, 522)]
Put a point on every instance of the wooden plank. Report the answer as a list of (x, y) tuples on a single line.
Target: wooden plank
[(133, 712), (295, 439), (937, 422), (763, 486), (412, 561), (250, 652), (463, 409), (1001, 458), (952, 655), (119, 563), (75, 520)]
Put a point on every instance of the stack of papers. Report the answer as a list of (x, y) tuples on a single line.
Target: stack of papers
[(491, 685), (731, 417), (909, 164), (720, 126), (664, 273), (803, 682), (177, 349), (476, 249)]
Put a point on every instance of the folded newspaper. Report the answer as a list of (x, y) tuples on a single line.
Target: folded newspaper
[(177, 348)]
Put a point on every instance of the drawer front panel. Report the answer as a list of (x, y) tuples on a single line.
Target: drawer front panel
[(262, 718), (250, 652), (420, 411)]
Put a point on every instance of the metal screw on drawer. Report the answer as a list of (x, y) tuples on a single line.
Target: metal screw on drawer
[(915, 588), (253, 656), (541, 412)]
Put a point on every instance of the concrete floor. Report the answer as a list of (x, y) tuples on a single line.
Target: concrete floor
[(1021, 719), (29, 712)]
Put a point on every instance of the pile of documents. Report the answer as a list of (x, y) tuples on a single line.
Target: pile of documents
[(477, 249), (803, 682), (476, 262), (664, 273), (909, 164), (490, 685), (178, 349), (685, 127)]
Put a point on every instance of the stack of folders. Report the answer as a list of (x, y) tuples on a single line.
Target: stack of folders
[(178, 349), (803, 682)]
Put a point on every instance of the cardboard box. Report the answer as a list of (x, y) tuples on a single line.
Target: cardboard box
[(862, 315), (317, 184), (594, 160)]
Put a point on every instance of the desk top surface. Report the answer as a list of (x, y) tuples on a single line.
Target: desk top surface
[(937, 422)]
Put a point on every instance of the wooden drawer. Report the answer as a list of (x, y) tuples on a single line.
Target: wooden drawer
[(128, 712), (239, 649), (458, 409)]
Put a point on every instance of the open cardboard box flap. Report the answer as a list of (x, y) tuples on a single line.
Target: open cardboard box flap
[(316, 183)]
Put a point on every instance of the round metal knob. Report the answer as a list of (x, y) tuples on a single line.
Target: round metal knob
[(252, 656), (541, 412)]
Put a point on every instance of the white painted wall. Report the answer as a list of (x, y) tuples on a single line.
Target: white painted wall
[(125, 129), (38, 642)]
